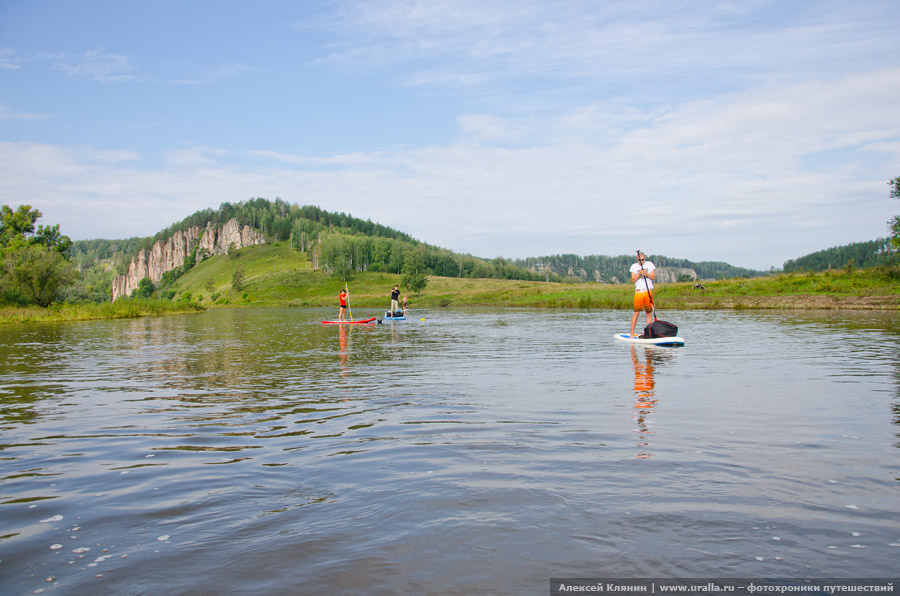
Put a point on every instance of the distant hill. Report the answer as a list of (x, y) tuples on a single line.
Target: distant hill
[(339, 245), (615, 269), (858, 254)]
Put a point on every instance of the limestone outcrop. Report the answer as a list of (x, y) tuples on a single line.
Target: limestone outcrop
[(669, 275), (166, 255)]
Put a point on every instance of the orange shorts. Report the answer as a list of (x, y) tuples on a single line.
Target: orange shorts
[(642, 302)]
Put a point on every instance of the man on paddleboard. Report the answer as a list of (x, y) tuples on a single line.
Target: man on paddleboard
[(395, 299), (642, 274), (342, 298)]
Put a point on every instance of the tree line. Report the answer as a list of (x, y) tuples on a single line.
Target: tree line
[(336, 243), (277, 219), (614, 269), (858, 254), (38, 264), (339, 254), (340, 244)]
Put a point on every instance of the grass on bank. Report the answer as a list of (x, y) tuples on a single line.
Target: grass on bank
[(876, 287), (276, 276), (120, 309)]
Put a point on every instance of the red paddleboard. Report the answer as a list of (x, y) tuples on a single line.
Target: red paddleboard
[(360, 322)]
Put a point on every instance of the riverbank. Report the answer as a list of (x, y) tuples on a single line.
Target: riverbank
[(120, 309), (854, 290), (209, 286), (272, 276)]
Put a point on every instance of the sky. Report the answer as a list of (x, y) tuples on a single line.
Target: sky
[(749, 131)]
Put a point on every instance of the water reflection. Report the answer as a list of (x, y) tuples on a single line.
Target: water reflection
[(644, 397), (344, 335), (378, 453)]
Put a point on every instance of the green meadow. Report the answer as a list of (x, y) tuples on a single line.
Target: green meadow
[(273, 275)]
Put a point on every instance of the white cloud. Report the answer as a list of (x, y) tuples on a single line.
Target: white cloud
[(456, 44), (725, 178), (195, 156), (7, 113), (98, 65), (9, 59), (214, 74), (750, 132)]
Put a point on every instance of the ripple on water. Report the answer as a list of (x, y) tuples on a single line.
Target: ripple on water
[(481, 452)]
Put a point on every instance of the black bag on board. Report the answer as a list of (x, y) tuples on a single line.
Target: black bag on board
[(659, 329)]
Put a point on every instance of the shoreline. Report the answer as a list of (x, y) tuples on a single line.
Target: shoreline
[(798, 302), (876, 289)]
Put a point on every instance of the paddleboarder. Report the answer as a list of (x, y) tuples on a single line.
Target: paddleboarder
[(642, 274), (342, 299), (395, 299)]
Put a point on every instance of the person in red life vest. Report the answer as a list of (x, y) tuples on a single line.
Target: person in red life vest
[(342, 298)]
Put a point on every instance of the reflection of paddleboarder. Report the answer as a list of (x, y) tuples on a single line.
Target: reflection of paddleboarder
[(644, 399), (643, 378), (345, 343)]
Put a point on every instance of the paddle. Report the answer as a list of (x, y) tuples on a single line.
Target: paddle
[(350, 312)]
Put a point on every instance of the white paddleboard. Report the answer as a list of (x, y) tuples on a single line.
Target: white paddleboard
[(653, 341)]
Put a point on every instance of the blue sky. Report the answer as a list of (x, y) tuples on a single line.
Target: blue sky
[(751, 132)]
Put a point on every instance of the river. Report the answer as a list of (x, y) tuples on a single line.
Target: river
[(458, 452)]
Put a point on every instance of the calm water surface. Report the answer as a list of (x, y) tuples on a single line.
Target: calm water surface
[(472, 452)]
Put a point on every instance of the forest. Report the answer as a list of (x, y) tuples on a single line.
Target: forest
[(856, 255), (608, 269)]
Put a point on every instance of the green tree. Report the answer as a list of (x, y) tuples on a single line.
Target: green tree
[(17, 230), (895, 223), (35, 266), (395, 259), (145, 289), (414, 278), (50, 237), (38, 273), (237, 279), (17, 226)]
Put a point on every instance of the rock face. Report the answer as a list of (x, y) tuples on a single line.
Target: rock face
[(668, 275), (171, 254)]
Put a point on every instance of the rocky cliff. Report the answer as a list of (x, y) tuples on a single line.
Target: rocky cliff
[(669, 275), (171, 254)]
